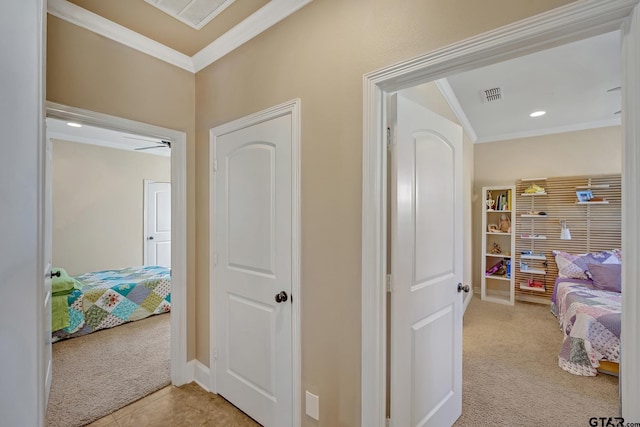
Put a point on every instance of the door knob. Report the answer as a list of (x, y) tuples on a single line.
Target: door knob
[(462, 287), (150, 238), (281, 297)]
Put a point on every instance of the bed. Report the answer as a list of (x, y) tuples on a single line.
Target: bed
[(589, 312), (104, 299)]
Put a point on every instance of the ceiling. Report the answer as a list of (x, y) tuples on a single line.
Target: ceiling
[(573, 83), (570, 82), (59, 129)]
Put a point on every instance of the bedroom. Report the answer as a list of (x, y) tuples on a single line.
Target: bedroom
[(111, 236), (589, 148)]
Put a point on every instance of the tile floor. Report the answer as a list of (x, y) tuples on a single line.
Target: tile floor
[(188, 405)]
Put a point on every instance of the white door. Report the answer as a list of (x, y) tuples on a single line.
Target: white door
[(47, 235), (253, 275), (426, 267), (157, 244)]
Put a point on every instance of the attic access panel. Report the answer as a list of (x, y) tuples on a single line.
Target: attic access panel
[(194, 13)]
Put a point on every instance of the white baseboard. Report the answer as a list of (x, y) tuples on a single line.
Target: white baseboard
[(199, 373)]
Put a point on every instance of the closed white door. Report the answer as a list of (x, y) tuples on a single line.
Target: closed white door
[(253, 275), (157, 227), (426, 306)]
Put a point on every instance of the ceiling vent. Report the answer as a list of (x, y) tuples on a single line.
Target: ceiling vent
[(195, 13), (491, 95)]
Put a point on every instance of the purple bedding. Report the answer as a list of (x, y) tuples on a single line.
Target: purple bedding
[(590, 321)]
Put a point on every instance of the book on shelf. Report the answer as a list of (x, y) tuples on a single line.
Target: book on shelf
[(503, 202)]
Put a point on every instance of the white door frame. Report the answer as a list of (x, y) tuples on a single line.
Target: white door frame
[(572, 22), (179, 368), (145, 220), (292, 108)]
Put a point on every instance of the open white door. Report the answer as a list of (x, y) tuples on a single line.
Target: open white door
[(426, 303), (253, 269), (157, 223), (48, 238)]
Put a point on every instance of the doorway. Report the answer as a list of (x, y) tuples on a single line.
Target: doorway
[(561, 26), (178, 354)]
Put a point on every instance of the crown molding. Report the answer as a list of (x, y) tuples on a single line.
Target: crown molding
[(90, 21), (265, 17), (552, 130), (447, 92)]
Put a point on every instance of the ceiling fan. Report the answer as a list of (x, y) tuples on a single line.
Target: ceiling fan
[(162, 143), (614, 89)]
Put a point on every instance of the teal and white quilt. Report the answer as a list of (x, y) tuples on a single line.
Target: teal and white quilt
[(112, 297)]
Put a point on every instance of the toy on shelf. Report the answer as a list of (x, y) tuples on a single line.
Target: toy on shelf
[(505, 224), (535, 283), (534, 189), (496, 250)]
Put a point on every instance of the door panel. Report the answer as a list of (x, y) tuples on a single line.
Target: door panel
[(253, 245), (434, 255), (426, 266), (251, 205), (157, 237), (254, 326)]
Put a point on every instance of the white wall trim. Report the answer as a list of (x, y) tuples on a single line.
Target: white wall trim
[(617, 121), (262, 19), (265, 17), (630, 348), (571, 22), (90, 21), (199, 373), (293, 108), (447, 93), (179, 370)]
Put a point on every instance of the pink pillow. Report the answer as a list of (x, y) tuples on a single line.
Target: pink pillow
[(607, 277)]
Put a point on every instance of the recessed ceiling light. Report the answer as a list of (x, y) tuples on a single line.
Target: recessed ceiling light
[(537, 113), (74, 125)]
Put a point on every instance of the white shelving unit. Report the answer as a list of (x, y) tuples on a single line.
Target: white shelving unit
[(499, 286), (533, 264)]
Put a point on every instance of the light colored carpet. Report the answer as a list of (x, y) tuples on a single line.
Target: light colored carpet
[(96, 374), (511, 375)]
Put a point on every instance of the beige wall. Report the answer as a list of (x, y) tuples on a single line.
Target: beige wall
[(319, 55), (98, 198), (588, 152), (88, 71)]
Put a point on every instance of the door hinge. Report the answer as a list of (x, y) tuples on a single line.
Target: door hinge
[(215, 165), (215, 354), (388, 283), (215, 258), (389, 139)]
